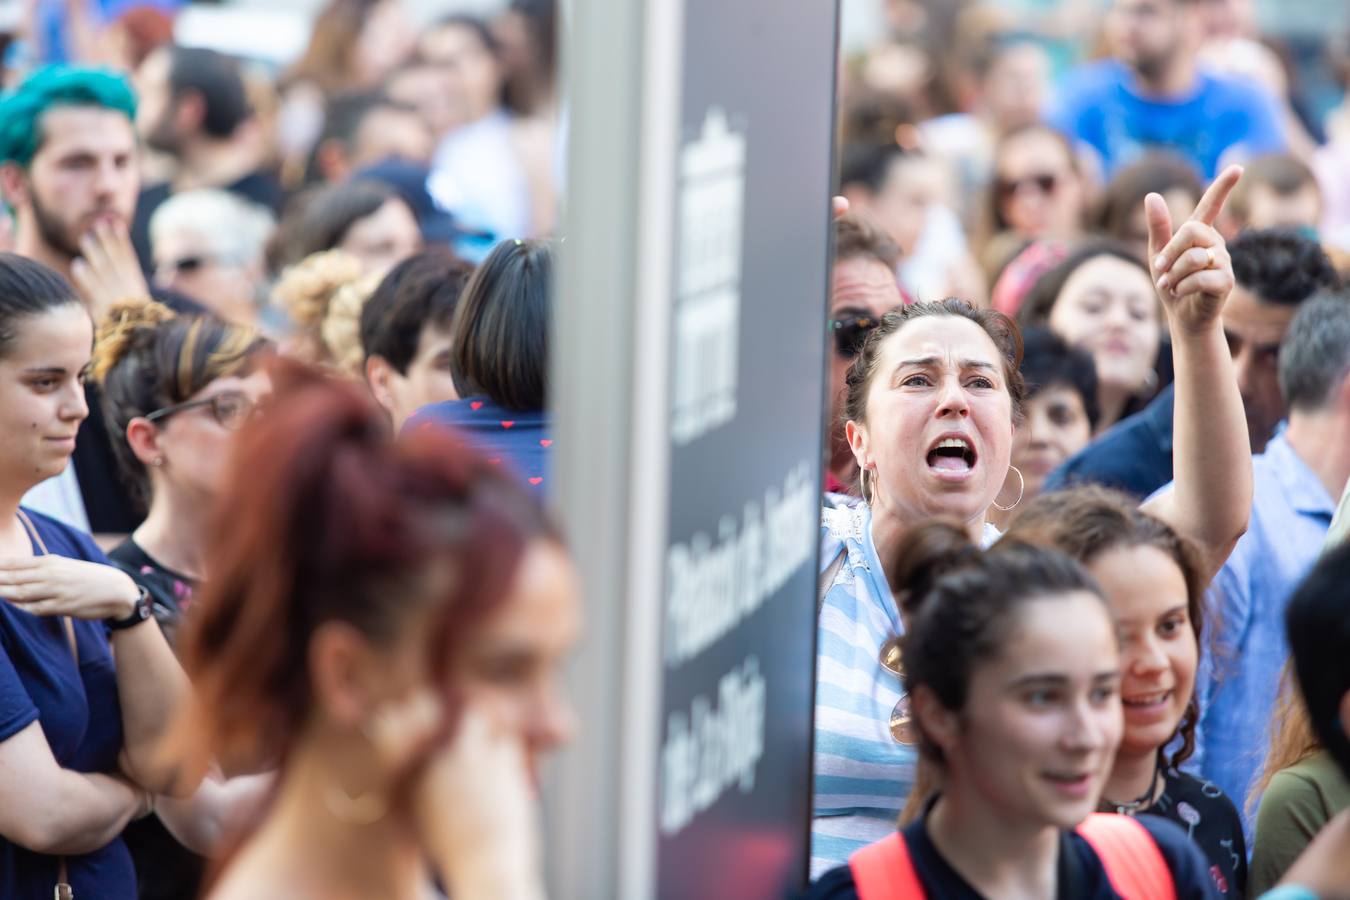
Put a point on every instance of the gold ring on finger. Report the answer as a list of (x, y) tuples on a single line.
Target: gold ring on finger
[(1212, 260)]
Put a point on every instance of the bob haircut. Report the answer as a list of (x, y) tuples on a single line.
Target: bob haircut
[(501, 327)]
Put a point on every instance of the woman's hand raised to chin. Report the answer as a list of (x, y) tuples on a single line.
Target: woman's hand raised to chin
[(1192, 270), (472, 804)]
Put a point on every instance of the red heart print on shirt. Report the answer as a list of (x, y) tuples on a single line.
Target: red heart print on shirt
[(545, 443), (508, 423), (476, 405), (536, 481)]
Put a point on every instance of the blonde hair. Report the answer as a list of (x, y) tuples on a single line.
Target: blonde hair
[(306, 292), (147, 357), (1292, 738)]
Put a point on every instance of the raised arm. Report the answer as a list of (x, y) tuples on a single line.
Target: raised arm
[(1210, 498), (52, 810)]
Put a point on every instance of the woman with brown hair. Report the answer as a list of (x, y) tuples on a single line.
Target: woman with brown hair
[(934, 398), (1300, 789), (1154, 582), (387, 634)]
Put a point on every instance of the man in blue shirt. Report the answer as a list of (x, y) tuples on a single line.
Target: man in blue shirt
[(1276, 270), (1153, 95), (1295, 483)]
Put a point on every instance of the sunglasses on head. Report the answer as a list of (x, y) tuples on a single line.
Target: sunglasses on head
[(1045, 182), (850, 329)]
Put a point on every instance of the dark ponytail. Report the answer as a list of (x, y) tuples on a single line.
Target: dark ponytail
[(27, 289)]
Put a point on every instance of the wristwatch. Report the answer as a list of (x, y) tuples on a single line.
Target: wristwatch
[(139, 613)]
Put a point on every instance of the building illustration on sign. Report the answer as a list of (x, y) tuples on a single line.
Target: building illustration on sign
[(707, 315)]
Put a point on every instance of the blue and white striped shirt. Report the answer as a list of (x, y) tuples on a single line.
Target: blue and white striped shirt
[(862, 776)]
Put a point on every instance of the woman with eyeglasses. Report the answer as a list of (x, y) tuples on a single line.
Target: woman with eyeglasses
[(176, 390), (1013, 671), (88, 685), (934, 400)]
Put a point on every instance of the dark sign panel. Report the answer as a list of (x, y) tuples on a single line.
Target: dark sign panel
[(747, 343)]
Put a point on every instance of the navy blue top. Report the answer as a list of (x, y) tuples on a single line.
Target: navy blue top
[(1134, 455), (80, 716), (519, 440), (1080, 874)]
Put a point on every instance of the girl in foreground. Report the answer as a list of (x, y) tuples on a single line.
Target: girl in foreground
[(387, 633), (1012, 669)]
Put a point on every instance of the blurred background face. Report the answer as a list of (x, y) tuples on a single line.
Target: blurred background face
[(428, 379), (1254, 330), (1108, 308), (386, 39), (83, 173), (1017, 85), (1039, 192), (912, 185), (861, 286), (195, 445), (1146, 34), (187, 262), (1180, 204), (1056, 428), (384, 238), (389, 132), (154, 102), (471, 76), (1267, 208)]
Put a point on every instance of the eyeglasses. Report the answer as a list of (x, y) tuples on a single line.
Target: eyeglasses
[(850, 329), (1045, 182), (902, 722), (184, 265), (232, 409)]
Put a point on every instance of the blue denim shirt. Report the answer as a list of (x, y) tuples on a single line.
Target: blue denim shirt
[(1245, 648)]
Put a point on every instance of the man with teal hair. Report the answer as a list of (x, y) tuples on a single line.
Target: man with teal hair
[(69, 166)]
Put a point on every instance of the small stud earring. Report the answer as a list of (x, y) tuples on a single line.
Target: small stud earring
[(157, 461)]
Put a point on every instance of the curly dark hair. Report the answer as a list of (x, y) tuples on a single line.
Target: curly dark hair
[(1281, 265)]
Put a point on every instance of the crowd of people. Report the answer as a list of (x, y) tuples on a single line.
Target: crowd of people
[(283, 612)]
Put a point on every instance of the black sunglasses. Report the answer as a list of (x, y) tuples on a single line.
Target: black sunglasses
[(230, 408), (850, 329), (1045, 182)]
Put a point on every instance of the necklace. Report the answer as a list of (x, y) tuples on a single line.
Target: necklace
[(1144, 800)]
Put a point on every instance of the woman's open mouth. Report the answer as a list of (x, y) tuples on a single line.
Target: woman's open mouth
[(952, 457)]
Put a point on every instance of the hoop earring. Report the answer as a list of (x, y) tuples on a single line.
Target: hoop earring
[(1021, 489), (862, 484), (361, 811)]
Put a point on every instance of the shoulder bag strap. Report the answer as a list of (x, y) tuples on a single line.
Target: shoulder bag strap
[(1133, 861), (884, 871), (62, 890)]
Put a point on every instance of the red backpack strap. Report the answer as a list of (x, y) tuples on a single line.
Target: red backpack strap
[(884, 871), (1134, 864)]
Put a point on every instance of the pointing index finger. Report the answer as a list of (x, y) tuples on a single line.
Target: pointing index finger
[(1207, 210)]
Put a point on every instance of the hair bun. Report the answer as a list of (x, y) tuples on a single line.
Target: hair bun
[(926, 554), (118, 329)]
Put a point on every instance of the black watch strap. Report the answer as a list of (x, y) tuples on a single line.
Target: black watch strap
[(140, 612)]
